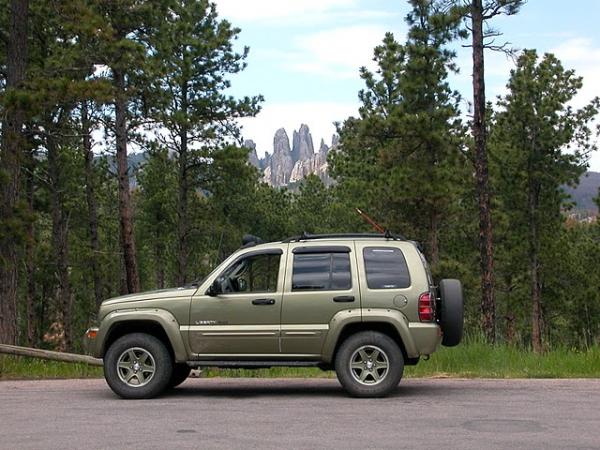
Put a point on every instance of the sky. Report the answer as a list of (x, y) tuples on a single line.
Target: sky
[(305, 56)]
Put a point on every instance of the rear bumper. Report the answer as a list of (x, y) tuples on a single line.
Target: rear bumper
[(426, 336)]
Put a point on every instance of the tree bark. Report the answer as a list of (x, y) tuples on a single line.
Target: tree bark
[(182, 201), (534, 266), (91, 203), (10, 158), (159, 257), (125, 209), (486, 246), (30, 257), (434, 246), (60, 235)]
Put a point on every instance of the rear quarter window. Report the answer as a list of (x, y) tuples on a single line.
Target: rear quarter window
[(385, 268)]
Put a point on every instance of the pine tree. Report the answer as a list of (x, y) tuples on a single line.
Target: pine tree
[(11, 157), (479, 12), (125, 49), (404, 155), (195, 57), (156, 203), (540, 142)]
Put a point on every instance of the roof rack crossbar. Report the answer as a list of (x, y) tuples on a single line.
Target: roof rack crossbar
[(306, 236)]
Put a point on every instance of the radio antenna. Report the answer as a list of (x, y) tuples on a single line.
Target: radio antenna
[(374, 224)]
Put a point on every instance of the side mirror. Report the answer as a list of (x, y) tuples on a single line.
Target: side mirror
[(216, 288)]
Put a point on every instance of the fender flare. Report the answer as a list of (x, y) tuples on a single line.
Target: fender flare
[(161, 317), (372, 315)]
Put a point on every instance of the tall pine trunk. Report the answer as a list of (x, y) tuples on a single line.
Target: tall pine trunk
[(534, 266), (434, 244), (159, 257), (60, 247), (486, 246), (30, 256), (91, 203), (182, 201), (125, 210), (10, 158), (182, 213)]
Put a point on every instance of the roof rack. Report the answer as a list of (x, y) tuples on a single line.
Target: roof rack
[(249, 240), (306, 236)]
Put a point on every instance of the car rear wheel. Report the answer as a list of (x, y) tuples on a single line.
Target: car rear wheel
[(137, 366), (369, 364), (452, 311)]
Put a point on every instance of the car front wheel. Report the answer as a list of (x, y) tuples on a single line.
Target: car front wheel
[(138, 366)]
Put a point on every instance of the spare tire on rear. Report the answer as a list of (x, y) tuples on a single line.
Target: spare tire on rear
[(451, 311)]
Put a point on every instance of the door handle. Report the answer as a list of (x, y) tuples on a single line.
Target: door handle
[(263, 301), (343, 299)]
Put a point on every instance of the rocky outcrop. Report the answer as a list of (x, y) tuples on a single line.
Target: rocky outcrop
[(313, 166), (335, 140), (323, 149), (266, 161), (302, 147), (281, 161), (252, 155), (289, 166)]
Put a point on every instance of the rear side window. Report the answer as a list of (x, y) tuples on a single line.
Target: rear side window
[(385, 268), (321, 272)]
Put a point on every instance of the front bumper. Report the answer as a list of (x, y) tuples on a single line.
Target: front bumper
[(91, 341)]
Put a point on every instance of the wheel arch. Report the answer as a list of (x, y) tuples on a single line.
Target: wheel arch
[(381, 327), (158, 323), (392, 324)]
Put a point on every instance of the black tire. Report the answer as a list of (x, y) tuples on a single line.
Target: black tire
[(452, 311), (133, 381), (180, 373), (349, 364)]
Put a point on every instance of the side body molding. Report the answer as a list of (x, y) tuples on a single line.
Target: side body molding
[(161, 317)]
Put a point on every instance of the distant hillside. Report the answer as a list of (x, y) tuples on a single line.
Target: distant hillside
[(134, 161), (585, 193)]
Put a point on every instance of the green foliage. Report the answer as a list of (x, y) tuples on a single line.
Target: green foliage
[(193, 58), (157, 217), (402, 160), (479, 360), (538, 142), (20, 368)]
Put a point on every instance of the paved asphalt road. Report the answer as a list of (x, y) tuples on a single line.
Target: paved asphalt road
[(308, 414)]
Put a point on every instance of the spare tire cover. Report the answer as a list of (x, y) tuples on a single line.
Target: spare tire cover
[(452, 311)]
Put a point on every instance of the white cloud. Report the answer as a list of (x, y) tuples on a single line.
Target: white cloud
[(319, 116), (268, 10), (578, 50), (338, 52), (581, 55)]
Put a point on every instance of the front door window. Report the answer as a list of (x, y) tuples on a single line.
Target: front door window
[(256, 273)]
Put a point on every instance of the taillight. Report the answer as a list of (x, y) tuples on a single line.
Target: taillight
[(426, 307)]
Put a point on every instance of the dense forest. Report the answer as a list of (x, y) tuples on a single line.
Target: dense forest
[(84, 83)]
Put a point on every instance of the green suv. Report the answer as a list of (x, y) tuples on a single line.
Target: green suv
[(364, 305)]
